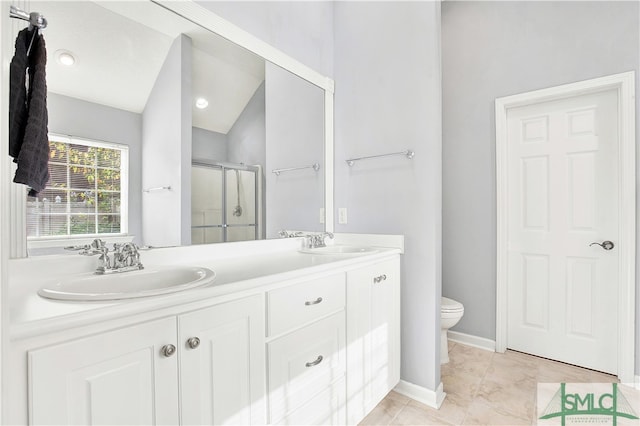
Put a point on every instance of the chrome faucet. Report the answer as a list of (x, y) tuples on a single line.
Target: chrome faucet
[(125, 256), (317, 240), (311, 240)]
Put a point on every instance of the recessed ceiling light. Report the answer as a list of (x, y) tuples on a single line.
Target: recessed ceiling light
[(202, 103), (65, 58)]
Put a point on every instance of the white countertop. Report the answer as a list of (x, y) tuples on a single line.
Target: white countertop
[(238, 266)]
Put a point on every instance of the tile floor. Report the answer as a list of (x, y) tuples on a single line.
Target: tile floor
[(483, 388)]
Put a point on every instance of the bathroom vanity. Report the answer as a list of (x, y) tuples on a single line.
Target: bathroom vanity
[(279, 336)]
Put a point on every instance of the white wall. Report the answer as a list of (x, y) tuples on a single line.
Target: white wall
[(387, 74), (208, 145), (303, 30), (71, 116), (166, 151), (246, 140), (495, 49), (294, 119)]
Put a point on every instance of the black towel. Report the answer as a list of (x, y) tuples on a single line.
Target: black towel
[(18, 94), (33, 151)]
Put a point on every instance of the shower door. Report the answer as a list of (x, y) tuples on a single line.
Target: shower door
[(224, 200)]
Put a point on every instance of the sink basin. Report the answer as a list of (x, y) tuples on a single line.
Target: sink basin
[(340, 249), (127, 285)]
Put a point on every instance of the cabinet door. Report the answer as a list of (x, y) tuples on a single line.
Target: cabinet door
[(304, 363), (118, 377), (373, 336), (223, 376)]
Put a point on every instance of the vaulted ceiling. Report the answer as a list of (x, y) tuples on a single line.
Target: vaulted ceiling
[(120, 47)]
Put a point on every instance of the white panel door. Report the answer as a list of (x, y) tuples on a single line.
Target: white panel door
[(223, 372), (563, 196), (114, 378)]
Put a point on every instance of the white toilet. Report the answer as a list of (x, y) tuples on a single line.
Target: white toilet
[(450, 313)]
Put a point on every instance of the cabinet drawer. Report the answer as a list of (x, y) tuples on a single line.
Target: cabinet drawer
[(305, 363), (326, 408), (295, 305)]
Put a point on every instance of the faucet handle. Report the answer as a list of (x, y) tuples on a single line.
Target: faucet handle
[(289, 234), (98, 245), (310, 240), (78, 248), (130, 247)]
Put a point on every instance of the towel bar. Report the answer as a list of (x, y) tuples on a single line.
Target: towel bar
[(408, 153)]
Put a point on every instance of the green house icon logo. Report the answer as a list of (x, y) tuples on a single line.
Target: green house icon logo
[(611, 404)]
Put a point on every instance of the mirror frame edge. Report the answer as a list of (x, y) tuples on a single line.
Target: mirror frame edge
[(329, 156), (6, 198)]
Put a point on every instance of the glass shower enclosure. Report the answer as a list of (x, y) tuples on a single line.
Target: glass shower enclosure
[(225, 202)]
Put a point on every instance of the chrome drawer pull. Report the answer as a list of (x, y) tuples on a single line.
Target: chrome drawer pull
[(316, 362), (379, 278), (315, 302)]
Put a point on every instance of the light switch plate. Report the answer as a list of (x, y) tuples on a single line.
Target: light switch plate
[(342, 216)]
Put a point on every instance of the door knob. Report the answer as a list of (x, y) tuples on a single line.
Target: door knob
[(607, 245)]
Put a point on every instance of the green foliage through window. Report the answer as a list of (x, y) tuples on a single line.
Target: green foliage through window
[(84, 192)]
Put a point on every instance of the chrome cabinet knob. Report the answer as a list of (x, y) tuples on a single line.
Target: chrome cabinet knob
[(607, 245), (193, 342), (168, 350)]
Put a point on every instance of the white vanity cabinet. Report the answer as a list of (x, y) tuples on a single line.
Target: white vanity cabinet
[(373, 336), (316, 348), (306, 352), (211, 361)]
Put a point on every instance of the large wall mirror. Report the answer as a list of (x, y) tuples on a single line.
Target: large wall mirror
[(226, 139)]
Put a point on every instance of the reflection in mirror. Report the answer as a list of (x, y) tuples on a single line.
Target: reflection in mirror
[(295, 139), (185, 103), (234, 216)]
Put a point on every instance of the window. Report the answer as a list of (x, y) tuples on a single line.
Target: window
[(86, 194)]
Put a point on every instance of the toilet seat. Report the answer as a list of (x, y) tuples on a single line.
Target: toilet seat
[(450, 306)]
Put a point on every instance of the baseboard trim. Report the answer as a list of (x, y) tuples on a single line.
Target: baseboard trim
[(638, 382), (428, 397), (475, 341)]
